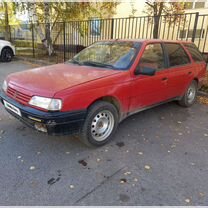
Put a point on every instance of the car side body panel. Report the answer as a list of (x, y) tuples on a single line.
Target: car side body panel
[(116, 86)]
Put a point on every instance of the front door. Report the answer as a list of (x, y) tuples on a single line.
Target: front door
[(149, 90)]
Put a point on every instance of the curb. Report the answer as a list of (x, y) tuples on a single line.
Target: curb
[(202, 93)]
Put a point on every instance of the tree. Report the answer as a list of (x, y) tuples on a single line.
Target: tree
[(133, 10), (172, 10), (50, 13), (7, 17)]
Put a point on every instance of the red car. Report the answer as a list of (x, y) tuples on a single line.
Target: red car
[(102, 85)]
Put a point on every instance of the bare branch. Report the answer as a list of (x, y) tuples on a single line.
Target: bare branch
[(149, 4)]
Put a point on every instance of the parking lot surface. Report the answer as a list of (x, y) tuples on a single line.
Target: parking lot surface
[(157, 157)]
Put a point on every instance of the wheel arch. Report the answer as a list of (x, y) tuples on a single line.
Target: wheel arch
[(111, 99), (7, 47), (196, 79)]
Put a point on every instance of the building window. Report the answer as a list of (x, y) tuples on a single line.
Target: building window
[(199, 33), (95, 27), (199, 5), (188, 34), (188, 5), (182, 34), (194, 5)]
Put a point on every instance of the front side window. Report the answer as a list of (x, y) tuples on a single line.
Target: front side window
[(108, 54), (176, 54), (193, 50), (153, 57)]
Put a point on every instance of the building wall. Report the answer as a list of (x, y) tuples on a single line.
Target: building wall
[(124, 9)]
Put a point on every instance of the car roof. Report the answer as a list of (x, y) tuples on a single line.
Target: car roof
[(147, 40)]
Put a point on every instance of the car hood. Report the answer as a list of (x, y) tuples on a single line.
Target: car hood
[(48, 80)]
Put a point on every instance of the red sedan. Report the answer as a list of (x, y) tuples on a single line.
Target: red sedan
[(104, 84)]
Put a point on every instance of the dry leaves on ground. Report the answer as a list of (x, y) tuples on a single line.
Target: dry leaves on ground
[(202, 100)]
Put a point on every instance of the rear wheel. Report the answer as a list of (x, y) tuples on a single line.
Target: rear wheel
[(100, 124), (190, 95), (6, 55)]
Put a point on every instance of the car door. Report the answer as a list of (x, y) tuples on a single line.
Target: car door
[(148, 90), (181, 70)]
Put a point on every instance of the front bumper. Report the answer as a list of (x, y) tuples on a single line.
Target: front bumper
[(56, 123), (14, 50)]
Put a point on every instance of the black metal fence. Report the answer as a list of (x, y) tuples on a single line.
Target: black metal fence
[(68, 38)]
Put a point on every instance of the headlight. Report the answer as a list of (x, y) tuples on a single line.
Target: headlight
[(5, 86), (46, 103)]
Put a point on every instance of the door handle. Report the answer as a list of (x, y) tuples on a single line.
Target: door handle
[(189, 73), (164, 78)]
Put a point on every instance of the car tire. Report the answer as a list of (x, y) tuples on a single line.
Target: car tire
[(6, 55), (100, 124), (190, 95)]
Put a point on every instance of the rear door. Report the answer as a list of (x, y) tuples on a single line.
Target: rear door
[(198, 60), (181, 70)]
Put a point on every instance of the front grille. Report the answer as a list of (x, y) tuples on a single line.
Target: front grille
[(18, 96)]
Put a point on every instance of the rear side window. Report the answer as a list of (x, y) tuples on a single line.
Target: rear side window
[(153, 57), (176, 54), (193, 50)]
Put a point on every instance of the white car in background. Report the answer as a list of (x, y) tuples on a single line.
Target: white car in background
[(7, 51)]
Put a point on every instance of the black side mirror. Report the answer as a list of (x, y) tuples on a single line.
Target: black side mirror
[(205, 56), (145, 71)]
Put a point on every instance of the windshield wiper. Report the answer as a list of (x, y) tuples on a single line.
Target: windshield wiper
[(74, 61), (92, 63)]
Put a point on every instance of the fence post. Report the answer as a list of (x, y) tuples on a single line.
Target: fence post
[(64, 31), (10, 33), (112, 27), (33, 44), (195, 26)]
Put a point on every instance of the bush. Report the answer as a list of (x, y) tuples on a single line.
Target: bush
[(205, 83)]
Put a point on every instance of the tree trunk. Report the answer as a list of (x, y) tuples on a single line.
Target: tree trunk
[(7, 27), (156, 27), (48, 29), (39, 31)]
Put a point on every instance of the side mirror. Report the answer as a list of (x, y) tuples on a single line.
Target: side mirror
[(145, 71), (205, 56)]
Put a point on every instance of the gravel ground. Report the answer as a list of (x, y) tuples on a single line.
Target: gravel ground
[(157, 157)]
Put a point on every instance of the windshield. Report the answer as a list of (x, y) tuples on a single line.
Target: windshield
[(113, 55)]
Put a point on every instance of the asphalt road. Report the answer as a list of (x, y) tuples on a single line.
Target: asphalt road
[(157, 157)]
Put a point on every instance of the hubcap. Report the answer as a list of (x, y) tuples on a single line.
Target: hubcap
[(102, 125), (191, 93)]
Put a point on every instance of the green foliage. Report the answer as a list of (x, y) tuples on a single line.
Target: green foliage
[(66, 11), (11, 13)]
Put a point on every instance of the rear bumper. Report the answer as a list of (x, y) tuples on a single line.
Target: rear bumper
[(56, 123)]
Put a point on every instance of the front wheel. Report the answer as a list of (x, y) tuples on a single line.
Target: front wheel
[(190, 95), (100, 124)]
